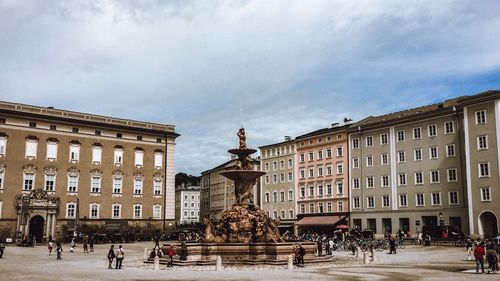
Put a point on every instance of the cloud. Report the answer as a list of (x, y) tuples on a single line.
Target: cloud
[(277, 67)]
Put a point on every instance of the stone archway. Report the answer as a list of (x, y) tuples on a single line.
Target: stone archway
[(488, 224), (36, 228)]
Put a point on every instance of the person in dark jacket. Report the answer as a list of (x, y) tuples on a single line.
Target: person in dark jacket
[(2, 248), (59, 250), (302, 253), (392, 245), (111, 256)]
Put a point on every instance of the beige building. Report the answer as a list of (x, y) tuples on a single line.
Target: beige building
[(322, 174), (278, 185), (220, 190), (481, 115), (187, 204), (62, 171)]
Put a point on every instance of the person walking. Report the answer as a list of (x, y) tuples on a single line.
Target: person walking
[(59, 250), (50, 246), (111, 256), (2, 248), (479, 255), (73, 245), (491, 257), (302, 253), (120, 255), (330, 245), (85, 243), (468, 246), (91, 243), (170, 254)]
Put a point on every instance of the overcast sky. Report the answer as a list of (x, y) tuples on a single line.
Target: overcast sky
[(277, 67)]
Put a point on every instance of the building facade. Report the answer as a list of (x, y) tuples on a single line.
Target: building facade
[(63, 171), (187, 204), (220, 190), (321, 174), (278, 185)]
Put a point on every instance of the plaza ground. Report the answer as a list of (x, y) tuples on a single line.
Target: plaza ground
[(412, 263)]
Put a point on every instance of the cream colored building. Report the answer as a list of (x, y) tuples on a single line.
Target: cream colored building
[(187, 204), (62, 171), (278, 185)]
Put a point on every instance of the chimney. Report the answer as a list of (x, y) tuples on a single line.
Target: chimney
[(347, 121), (288, 138), (334, 125)]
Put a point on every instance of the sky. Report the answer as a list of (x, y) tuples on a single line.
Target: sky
[(278, 68)]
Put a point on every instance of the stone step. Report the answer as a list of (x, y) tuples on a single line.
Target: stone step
[(163, 261)]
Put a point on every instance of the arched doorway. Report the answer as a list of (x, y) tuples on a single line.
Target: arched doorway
[(36, 228), (488, 224)]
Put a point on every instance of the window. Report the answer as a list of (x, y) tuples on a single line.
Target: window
[(436, 198), (340, 169), (139, 137), (355, 183), (282, 164), (417, 133), (481, 117), (139, 158), (320, 207), (290, 163), (311, 156), (94, 211), (290, 176), (449, 127), (70, 210), (3, 145), (158, 160), (95, 184), (452, 175), (482, 142), (453, 197), (117, 210), (369, 141), (418, 154), (355, 202), (302, 157), (311, 191), (290, 195), (274, 166), (402, 179), (282, 196), (340, 188), (329, 153), (328, 189), (385, 201), (97, 132), (311, 208), (72, 183), (328, 170), (320, 154), (320, 190), (329, 207), (32, 124), (401, 136), (403, 200), (369, 182), (157, 187), (401, 157), (118, 156), (432, 130), (75, 130), (370, 202), (320, 171), (117, 185), (302, 174), (137, 211), (31, 147), (275, 196), (369, 161), (339, 151), (29, 181), (485, 194), (266, 197), (50, 182), (156, 212), (340, 206), (138, 186), (311, 172), (355, 162), (420, 199), (484, 169), (355, 143), (282, 214), (74, 152), (53, 127), (302, 208), (51, 150), (385, 181), (383, 139), (435, 176), (419, 178), (384, 159), (119, 135), (96, 154), (450, 150), (2, 174), (433, 152)]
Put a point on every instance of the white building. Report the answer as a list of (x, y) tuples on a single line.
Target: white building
[(187, 204)]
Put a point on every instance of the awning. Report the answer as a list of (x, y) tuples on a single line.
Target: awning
[(314, 221)]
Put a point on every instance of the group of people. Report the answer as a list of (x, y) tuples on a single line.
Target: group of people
[(58, 248), (483, 250), (119, 255)]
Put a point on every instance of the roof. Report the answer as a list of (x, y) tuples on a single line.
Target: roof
[(319, 220), (276, 144), (323, 131)]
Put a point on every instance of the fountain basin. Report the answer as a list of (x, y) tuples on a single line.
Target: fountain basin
[(242, 175)]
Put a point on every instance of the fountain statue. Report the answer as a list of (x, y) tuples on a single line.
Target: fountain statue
[(244, 222)]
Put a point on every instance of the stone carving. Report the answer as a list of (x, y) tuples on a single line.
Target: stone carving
[(117, 174), (29, 169), (138, 175), (38, 194), (50, 170), (96, 173), (2, 167), (38, 198), (73, 171), (157, 177), (243, 138)]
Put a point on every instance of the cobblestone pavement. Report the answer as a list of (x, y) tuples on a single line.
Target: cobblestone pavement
[(412, 263)]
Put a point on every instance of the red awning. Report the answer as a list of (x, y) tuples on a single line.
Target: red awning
[(323, 220)]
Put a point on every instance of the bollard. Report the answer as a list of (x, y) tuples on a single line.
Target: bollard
[(156, 265), (146, 253), (366, 258), (373, 255), (358, 252), (290, 262), (218, 264)]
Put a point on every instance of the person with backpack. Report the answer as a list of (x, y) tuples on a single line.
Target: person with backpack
[(120, 255), (491, 257), (111, 256), (59, 250)]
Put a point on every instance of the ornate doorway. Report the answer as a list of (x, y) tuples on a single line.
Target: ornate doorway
[(488, 224), (36, 228)]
